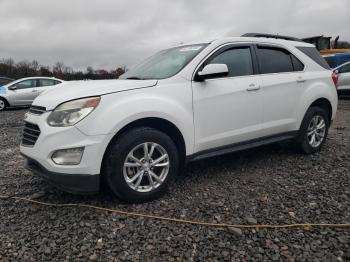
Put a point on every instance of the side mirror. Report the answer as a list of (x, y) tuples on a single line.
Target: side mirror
[(212, 71), (11, 88), (336, 71)]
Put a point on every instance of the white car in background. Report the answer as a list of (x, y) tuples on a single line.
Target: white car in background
[(343, 72), (22, 92), (185, 103)]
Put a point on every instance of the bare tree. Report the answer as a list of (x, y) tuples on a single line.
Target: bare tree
[(58, 68), (26, 68)]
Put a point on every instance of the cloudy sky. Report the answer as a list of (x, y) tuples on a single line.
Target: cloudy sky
[(111, 33)]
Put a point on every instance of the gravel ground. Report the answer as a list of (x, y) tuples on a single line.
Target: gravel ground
[(270, 185)]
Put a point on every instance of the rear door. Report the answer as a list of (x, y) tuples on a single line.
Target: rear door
[(23, 92), (344, 77), (282, 86)]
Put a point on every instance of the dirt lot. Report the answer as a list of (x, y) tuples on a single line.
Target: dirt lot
[(269, 185)]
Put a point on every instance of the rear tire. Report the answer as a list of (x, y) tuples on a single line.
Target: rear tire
[(3, 104), (135, 176), (313, 130)]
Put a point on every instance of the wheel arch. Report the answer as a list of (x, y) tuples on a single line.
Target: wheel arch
[(6, 101), (324, 103), (160, 124)]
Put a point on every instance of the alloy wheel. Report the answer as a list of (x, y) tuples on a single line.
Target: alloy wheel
[(316, 131), (146, 167), (2, 105)]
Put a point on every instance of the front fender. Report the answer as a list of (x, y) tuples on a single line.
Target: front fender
[(120, 109), (5, 94)]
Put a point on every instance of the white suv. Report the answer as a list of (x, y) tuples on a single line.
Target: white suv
[(184, 103)]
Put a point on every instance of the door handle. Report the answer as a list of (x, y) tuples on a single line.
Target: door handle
[(34, 90), (301, 80), (253, 87)]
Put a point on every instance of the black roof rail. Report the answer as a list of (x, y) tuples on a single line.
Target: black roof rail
[(290, 38)]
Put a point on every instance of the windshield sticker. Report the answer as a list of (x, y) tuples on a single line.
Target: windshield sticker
[(3, 90), (191, 48)]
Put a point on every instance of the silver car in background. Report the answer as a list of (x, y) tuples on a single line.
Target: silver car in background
[(23, 91), (343, 72)]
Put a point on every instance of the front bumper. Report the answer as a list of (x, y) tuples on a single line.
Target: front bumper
[(80, 178), (52, 139), (72, 183)]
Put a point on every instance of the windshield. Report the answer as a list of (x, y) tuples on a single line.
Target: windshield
[(165, 63)]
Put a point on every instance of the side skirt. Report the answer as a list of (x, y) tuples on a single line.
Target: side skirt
[(241, 146)]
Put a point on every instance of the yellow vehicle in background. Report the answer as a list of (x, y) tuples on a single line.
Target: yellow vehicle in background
[(334, 51), (323, 44), (334, 55)]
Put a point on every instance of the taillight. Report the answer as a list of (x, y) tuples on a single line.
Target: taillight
[(335, 79)]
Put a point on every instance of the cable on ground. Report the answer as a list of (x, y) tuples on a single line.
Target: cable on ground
[(176, 220)]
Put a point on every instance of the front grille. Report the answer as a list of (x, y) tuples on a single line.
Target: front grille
[(31, 134), (37, 110)]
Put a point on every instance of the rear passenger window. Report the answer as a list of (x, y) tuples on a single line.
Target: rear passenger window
[(274, 60), (238, 61), (277, 60)]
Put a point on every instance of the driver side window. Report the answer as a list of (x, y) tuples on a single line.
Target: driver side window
[(238, 61), (30, 83)]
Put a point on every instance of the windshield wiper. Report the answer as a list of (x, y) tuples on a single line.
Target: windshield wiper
[(134, 78)]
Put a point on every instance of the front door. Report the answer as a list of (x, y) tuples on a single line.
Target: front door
[(23, 92), (228, 110)]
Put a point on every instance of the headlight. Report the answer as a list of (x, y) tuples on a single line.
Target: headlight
[(70, 113)]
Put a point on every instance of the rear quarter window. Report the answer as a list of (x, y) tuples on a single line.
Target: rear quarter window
[(314, 55)]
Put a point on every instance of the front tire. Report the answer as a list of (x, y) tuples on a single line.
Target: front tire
[(313, 131), (140, 164)]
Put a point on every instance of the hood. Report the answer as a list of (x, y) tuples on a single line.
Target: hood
[(78, 89)]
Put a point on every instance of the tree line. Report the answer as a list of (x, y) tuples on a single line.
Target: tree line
[(16, 70)]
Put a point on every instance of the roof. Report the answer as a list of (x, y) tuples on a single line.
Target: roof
[(264, 40), (261, 39), (276, 36), (38, 77)]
